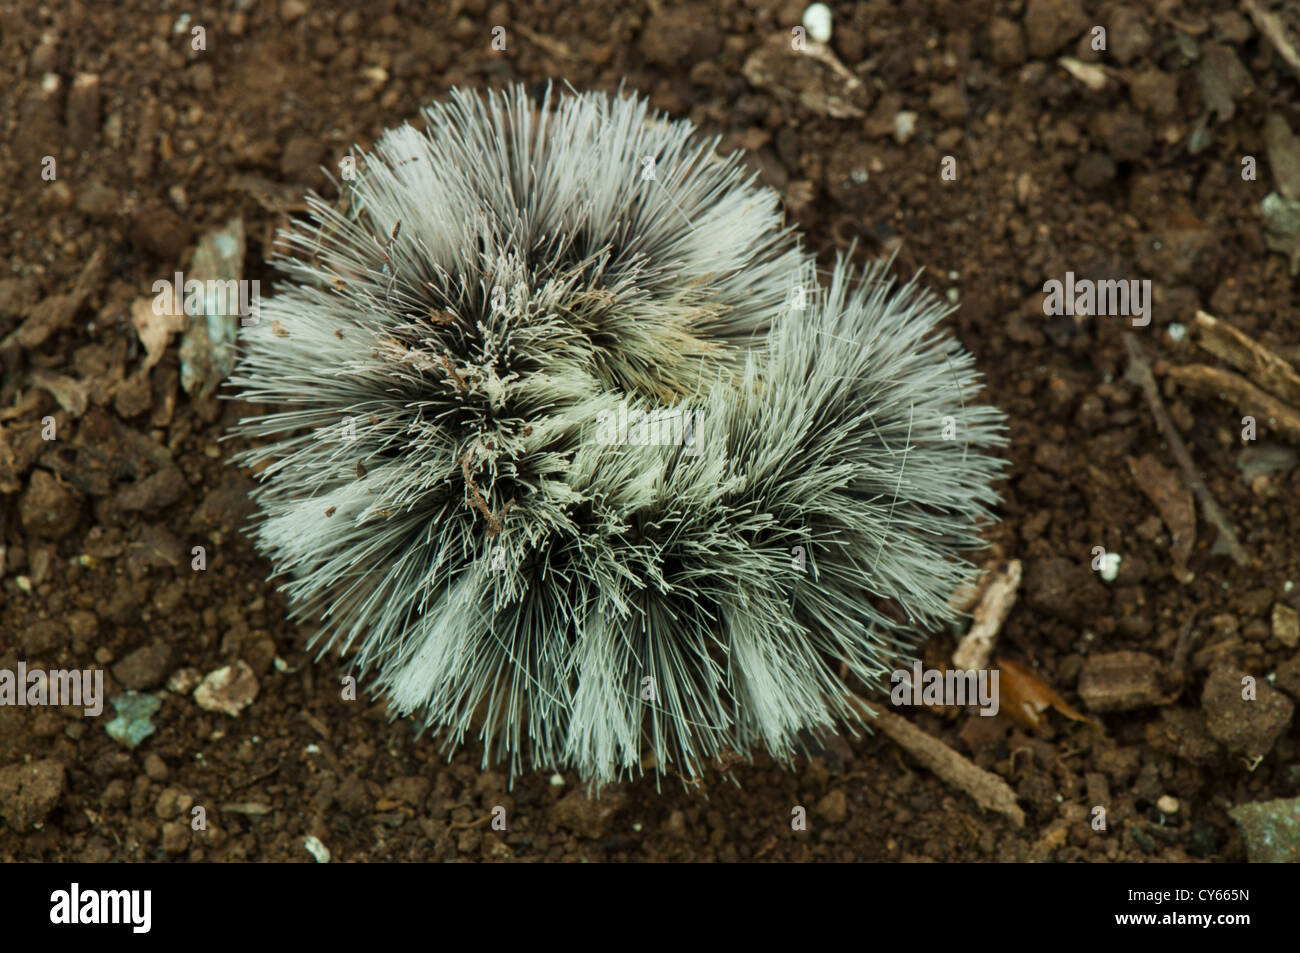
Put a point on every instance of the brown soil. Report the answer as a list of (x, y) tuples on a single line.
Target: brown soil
[(1140, 179)]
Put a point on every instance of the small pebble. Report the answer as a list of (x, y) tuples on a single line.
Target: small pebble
[(1286, 625), (228, 690), (316, 849), (293, 10), (817, 21), (160, 231), (155, 767), (904, 126), (132, 724), (183, 680)]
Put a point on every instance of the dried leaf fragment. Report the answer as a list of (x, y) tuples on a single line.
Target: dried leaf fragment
[(1025, 697)]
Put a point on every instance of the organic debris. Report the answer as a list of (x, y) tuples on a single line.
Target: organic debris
[(996, 601), (1140, 372), (1025, 697)]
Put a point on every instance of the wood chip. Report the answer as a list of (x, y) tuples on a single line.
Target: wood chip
[(57, 311), (552, 46), (998, 597), (1092, 76), (246, 807), (71, 394), (1172, 499), (1120, 681), (154, 330)]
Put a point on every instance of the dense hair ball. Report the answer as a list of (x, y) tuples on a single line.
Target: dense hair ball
[(573, 453)]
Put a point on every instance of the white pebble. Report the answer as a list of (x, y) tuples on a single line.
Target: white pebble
[(904, 126), (817, 21), (316, 849)]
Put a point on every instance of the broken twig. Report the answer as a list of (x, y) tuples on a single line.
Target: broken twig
[(476, 501), (1270, 371), (988, 790), (998, 597), (1214, 382), (1140, 372)]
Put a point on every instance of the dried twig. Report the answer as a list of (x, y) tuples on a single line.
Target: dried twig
[(260, 777), (1140, 372), (1261, 365), (552, 46), (1183, 652), (988, 790), (1206, 381), (476, 498), (451, 370), (995, 605), (477, 501)]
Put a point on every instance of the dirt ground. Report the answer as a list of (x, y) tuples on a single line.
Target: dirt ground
[(1123, 163)]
